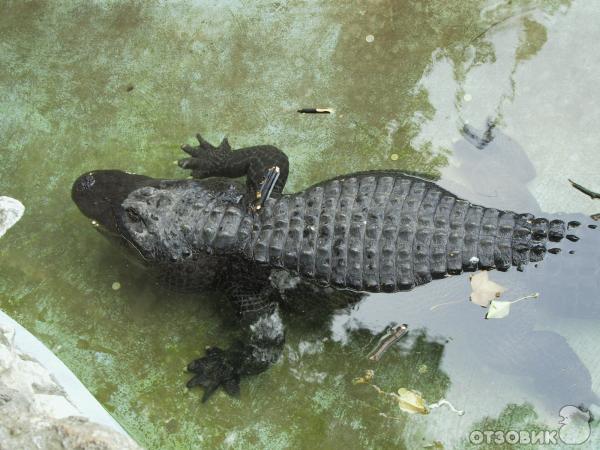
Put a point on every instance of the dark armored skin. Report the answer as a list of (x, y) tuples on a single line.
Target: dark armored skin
[(369, 231)]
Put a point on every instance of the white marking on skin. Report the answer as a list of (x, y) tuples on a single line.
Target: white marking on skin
[(269, 327)]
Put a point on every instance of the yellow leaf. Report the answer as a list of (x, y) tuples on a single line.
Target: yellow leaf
[(411, 401)]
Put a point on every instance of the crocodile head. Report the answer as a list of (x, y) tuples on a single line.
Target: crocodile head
[(100, 194)]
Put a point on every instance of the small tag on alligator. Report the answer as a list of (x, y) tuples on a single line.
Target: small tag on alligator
[(266, 188)]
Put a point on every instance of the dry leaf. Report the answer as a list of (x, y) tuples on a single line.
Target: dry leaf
[(411, 401), (483, 290), (498, 310)]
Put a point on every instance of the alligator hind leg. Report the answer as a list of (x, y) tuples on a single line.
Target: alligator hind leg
[(252, 162), (255, 302)]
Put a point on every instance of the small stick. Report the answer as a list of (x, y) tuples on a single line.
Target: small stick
[(534, 295), (389, 339), (586, 191), (446, 303), (315, 111)]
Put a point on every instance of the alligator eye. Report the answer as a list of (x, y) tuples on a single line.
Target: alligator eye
[(133, 215)]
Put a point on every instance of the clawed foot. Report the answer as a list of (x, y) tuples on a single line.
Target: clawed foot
[(216, 369), (205, 157)]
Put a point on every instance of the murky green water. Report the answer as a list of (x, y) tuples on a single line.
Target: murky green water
[(86, 85)]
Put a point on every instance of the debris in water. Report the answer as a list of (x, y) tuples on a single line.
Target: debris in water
[(479, 140), (445, 303), (411, 401), (315, 111), (390, 338), (116, 286), (408, 400), (483, 290), (586, 191), (499, 310)]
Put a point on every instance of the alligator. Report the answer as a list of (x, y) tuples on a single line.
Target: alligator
[(375, 231)]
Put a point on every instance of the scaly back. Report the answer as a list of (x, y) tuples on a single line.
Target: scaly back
[(388, 231)]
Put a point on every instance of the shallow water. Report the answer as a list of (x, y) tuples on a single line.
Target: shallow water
[(121, 85)]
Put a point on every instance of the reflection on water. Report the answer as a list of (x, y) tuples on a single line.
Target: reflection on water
[(524, 358), (120, 85)]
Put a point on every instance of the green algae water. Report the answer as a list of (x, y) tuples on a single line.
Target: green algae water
[(111, 84)]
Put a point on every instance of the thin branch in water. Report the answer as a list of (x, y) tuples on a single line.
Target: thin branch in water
[(586, 191), (389, 339), (446, 303), (500, 22), (534, 295)]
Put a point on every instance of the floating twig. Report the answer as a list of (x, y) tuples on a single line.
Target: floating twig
[(586, 191), (389, 339), (315, 111), (446, 303), (471, 135)]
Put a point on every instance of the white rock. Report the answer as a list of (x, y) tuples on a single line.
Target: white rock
[(11, 211), (35, 411)]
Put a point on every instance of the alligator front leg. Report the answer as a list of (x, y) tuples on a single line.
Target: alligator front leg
[(252, 162), (254, 300)]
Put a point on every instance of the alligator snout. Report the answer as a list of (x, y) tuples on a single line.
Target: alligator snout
[(99, 195)]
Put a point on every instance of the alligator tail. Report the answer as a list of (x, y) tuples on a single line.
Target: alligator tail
[(388, 231)]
